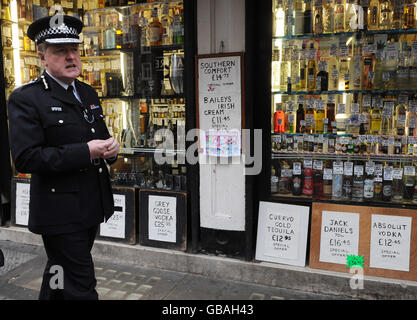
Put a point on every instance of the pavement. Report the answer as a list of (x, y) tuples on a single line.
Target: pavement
[(21, 277)]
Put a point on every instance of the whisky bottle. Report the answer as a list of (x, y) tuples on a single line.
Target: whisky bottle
[(387, 112), (118, 32), (155, 29), (166, 21), (275, 70), (368, 184), (299, 117), (308, 17), (355, 76), (376, 119), (411, 122), (387, 183), (109, 39), (298, 17), (322, 79), (278, 19), (368, 67), (347, 180), (331, 115), (403, 67), (317, 179), (178, 26), (303, 69), (397, 183), (333, 75), (337, 181), (358, 183), (397, 15), (297, 179), (409, 181), (400, 119), (385, 15), (339, 16), (327, 179), (289, 18), (319, 115), (352, 16), (318, 27), (285, 69), (409, 14), (311, 69), (344, 74), (309, 116), (328, 16), (373, 15), (308, 182)]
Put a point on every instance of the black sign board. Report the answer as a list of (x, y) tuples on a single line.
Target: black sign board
[(163, 219)]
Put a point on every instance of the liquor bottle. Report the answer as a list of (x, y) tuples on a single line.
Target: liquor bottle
[(279, 119), (295, 68), (289, 18), (365, 5), (299, 117), (275, 70), (303, 69), (309, 116), (347, 180), (337, 181), (389, 65), (409, 181), (351, 16), (339, 16), (135, 30), (319, 115), (378, 66), (327, 180), (155, 29), (119, 32), (311, 70), (308, 182), (274, 181), (334, 75), (355, 76), (397, 14), (409, 14), (297, 179), (331, 116), (318, 27), (322, 79), (22, 10), (308, 17), (400, 119), (368, 185), (317, 179), (284, 184), (344, 74), (358, 183), (376, 119), (378, 179), (403, 67), (328, 16), (387, 112), (290, 117), (397, 183), (387, 183), (298, 17), (385, 15), (285, 69), (109, 38), (178, 26), (373, 15), (278, 19), (411, 122), (166, 21)]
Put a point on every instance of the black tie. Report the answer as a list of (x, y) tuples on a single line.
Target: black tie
[(70, 88)]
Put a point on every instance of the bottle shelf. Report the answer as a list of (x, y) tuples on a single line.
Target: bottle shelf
[(140, 96), (377, 91), (144, 150), (346, 34), (341, 156)]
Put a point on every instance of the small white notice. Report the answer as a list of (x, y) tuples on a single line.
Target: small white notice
[(390, 242), (339, 236), (22, 203), (282, 233), (115, 226), (162, 218)]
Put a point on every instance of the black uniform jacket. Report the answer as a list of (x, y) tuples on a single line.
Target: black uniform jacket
[(48, 138)]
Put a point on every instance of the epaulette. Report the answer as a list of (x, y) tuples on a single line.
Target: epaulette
[(28, 84)]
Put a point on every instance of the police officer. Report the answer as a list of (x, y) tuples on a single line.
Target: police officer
[(58, 134)]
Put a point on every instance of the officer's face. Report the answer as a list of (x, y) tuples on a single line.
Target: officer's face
[(62, 61)]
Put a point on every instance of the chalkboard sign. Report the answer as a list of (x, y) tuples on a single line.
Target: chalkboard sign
[(121, 227), (163, 219), (20, 202), (220, 103), (282, 233)]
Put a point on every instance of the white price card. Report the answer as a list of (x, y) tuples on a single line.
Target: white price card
[(339, 236), (390, 242), (282, 233)]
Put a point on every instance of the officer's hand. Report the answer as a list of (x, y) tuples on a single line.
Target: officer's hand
[(97, 148), (112, 148)]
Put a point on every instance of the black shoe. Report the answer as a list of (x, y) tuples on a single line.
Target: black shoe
[(1, 258)]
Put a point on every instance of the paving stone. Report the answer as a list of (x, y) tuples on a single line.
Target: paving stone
[(130, 286), (102, 291), (115, 295), (143, 288), (277, 298), (124, 276), (153, 280), (114, 284), (134, 296), (257, 296), (109, 273)]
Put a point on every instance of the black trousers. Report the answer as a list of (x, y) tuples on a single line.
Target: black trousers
[(71, 254)]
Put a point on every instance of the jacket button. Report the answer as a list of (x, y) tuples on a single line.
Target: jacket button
[(53, 190), (93, 130), (61, 121), (100, 170)]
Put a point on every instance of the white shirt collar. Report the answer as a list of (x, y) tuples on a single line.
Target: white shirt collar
[(64, 85)]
